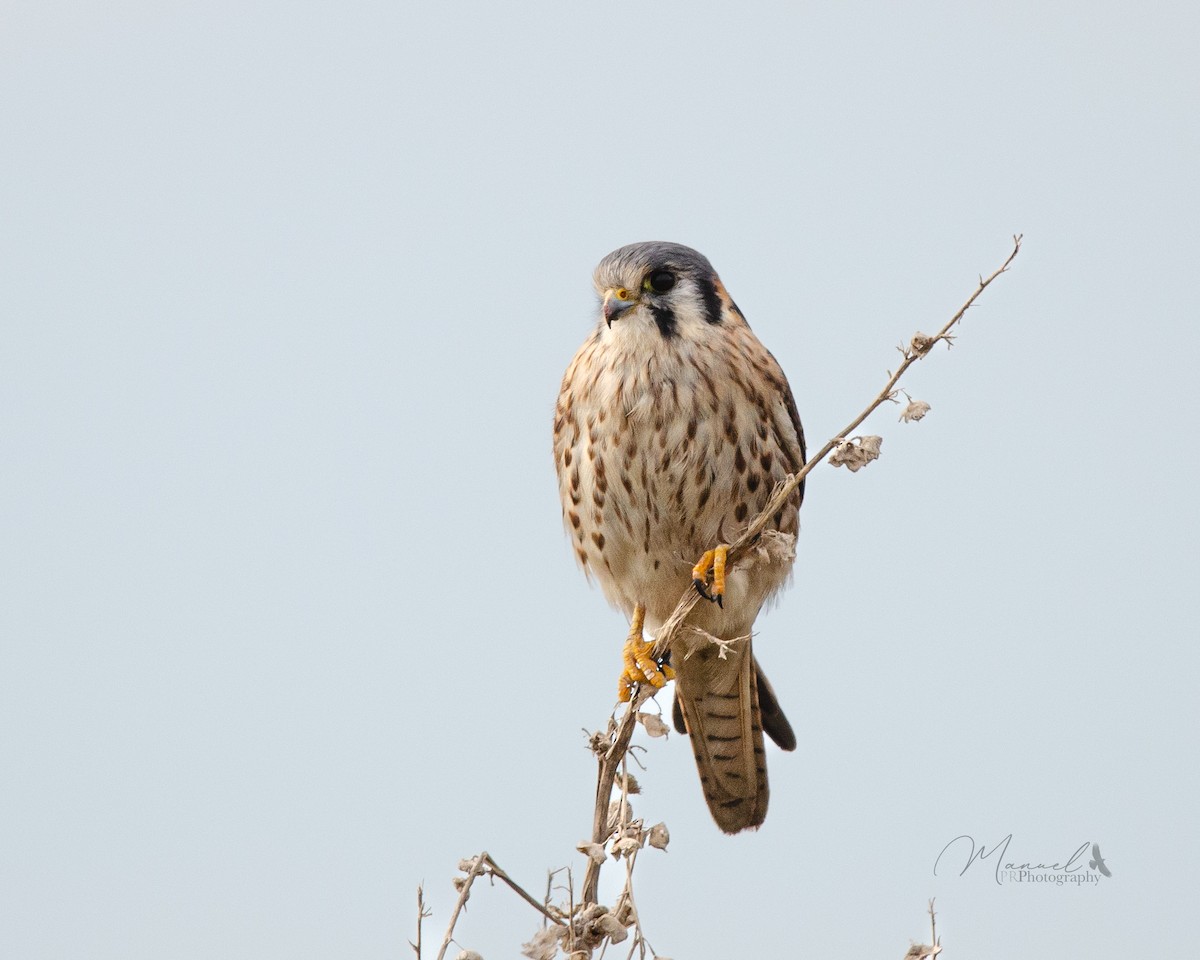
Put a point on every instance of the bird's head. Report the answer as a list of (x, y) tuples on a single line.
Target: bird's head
[(663, 285)]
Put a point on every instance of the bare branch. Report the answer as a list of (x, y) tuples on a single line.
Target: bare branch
[(919, 346), (495, 871), (620, 732), (926, 951), (423, 913), (477, 866)]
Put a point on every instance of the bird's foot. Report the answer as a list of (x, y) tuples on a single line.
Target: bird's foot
[(640, 664), (715, 560)]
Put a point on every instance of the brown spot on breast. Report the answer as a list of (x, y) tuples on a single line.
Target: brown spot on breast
[(567, 457), (691, 428), (752, 482), (598, 539), (766, 461), (740, 511), (739, 461), (574, 518)]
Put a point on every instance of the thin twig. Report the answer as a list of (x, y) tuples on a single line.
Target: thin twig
[(549, 890), (422, 914), (621, 732), (667, 634), (570, 910), (495, 871), (630, 861), (477, 866)]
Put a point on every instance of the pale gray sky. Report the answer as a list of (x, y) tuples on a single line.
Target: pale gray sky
[(289, 621)]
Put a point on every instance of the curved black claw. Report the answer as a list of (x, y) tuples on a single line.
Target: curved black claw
[(702, 589)]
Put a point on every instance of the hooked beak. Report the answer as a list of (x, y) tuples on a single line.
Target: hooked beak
[(616, 301)]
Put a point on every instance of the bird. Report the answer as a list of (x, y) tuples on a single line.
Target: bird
[(1097, 861), (672, 428)]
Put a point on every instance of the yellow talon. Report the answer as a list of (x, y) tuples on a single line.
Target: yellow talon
[(715, 560), (640, 666)]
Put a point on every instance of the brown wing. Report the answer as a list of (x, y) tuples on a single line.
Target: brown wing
[(785, 391)]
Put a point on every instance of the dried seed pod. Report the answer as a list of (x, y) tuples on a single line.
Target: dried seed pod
[(593, 851), (653, 724), (915, 410), (921, 343), (611, 927), (626, 846), (856, 453), (544, 944)]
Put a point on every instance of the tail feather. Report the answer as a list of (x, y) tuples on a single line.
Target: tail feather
[(718, 702), (774, 721)]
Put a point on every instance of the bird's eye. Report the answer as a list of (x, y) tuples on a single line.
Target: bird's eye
[(660, 281)]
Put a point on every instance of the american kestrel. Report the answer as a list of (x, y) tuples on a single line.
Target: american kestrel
[(673, 425)]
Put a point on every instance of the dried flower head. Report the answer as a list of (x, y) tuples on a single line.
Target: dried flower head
[(611, 927), (653, 723), (660, 836), (593, 851), (625, 847), (598, 743), (617, 809), (856, 452), (921, 343), (544, 944), (915, 410)]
